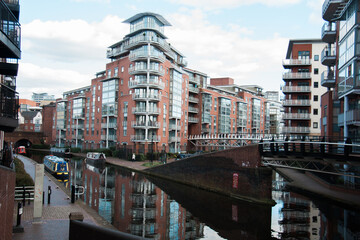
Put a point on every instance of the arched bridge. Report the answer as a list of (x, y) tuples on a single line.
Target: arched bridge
[(27, 139)]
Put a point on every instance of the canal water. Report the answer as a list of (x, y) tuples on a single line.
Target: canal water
[(159, 209)]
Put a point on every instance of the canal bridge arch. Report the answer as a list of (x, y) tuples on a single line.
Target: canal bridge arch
[(27, 139)]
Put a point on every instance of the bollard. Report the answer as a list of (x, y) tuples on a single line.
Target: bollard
[(24, 201), (49, 194), (19, 213), (18, 228), (72, 194), (29, 196), (43, 197)]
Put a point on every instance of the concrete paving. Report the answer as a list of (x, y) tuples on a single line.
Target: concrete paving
[(54, 223), (302, 181)]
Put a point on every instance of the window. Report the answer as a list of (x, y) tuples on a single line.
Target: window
[(122, 69), (316, 71), (121, 81), (108, 73), (316, 57), (116, 71), (316, 84), (315, 125), (316, 98), (315, 111)]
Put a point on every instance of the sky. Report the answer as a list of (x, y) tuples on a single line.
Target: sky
[(64, 42)]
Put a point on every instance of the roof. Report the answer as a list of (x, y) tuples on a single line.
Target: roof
[(140, 15), (29, 115), (300, 41)]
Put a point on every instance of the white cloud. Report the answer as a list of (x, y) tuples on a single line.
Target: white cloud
[(75, 45), (53, 81), (227, 53), (216, 4), (315, 7)]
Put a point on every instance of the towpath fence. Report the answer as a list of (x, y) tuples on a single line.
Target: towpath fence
[(24, 193)]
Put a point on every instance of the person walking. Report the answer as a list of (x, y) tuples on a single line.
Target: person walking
[(133, 157)]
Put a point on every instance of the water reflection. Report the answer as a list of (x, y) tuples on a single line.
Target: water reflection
[(298, 217), (159, 209)]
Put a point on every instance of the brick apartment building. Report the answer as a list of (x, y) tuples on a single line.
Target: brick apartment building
[(341, 103), (302, 87), (146, 97), (9, 102)]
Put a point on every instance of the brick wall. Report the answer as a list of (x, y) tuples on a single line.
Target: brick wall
[(7, 190), (235, 172)]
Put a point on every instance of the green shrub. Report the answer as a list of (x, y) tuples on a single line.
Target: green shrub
[(140, 157), (40, 146), (22, 177), (75, 150)]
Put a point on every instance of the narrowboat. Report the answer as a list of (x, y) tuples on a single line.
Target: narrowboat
[(21, 150), (95, 159), (56, 166), (61, 152)]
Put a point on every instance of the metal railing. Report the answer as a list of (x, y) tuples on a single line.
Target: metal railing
[(9, 102), (10, 25)]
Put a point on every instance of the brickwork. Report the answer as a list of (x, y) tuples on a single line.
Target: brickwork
[(33, 137), (234, 172), (48, 113), (7, 190)]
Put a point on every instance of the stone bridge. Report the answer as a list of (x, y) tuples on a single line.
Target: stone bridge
[(27, 139)]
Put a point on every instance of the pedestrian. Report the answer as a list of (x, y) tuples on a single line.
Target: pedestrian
[(133, 157)]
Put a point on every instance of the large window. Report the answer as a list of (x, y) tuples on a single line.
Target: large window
[(224, 115)]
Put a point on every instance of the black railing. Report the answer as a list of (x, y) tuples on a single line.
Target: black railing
[(9, 24), (9, 102)]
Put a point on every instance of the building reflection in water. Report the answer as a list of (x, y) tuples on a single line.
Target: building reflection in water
[(133, 204), (297, 217)]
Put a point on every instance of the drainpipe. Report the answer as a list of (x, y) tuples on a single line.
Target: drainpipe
[(346, 109)]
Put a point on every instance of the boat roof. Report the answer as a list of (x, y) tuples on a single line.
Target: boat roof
[(54, 158)]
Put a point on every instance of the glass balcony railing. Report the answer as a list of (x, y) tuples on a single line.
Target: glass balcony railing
[(352, 117), (328, 56), (288, 89), (287, 130), (345, 86), (328, 32), (296, 62), (141, 138), (296, 116), (328, 79), (297, 102), (296, 75)]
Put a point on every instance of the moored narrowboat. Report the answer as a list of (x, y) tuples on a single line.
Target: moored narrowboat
[(61, 152), (95, 159), (56, 166)]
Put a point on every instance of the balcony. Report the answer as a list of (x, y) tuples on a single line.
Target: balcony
[(10, 32), (174, 139), (143, 111), (328, 56), (205, 129), (297, 102), (333, 9), (296, 89), (109, 125), (193, 100), (296, 75), (193, 120), (114, 52), (141, 138), (194, 89), (9, 104), (149, 124), (9, 67), (194, 80), (109, 137), (328, 79), (345, 86), (156, 70), (328, 32), (289, 63), (79, 136), (352, 118), (297, 116), (144, 83), (296, 130), (174, 127), (145, 97), (193, 110), (145, 55)]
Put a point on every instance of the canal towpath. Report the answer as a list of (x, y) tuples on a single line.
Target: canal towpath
[(54, 224)]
